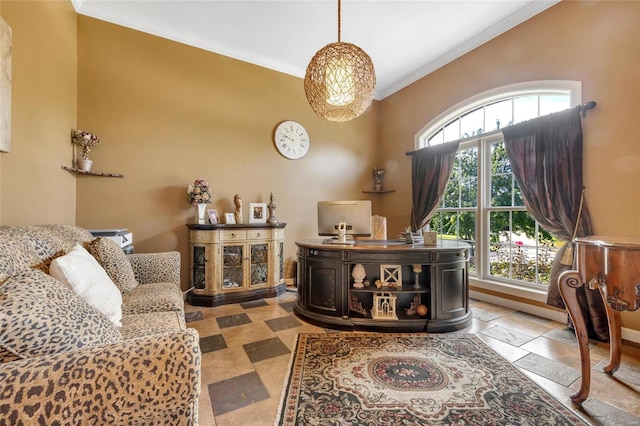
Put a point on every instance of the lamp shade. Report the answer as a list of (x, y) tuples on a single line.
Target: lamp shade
[(340, 82)]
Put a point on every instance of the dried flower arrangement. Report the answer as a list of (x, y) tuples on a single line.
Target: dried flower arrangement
[(199, 192), (85, 139)]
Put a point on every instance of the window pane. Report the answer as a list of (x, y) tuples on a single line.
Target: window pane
[(472, 123), (498, 115), (452, 131), (498, 226), (501, 190), (525, 108), (449, 225), (436, 139), (553, 103), (517, 194), (499, 160), (467, 162), (467, 233), (518, 250), (502, 181), (469, 192), (436, 222), (452, 194)]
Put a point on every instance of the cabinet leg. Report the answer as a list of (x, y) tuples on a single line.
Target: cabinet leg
[(568, 283)]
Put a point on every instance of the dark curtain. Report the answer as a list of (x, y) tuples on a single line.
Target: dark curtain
[(546, 157), (430, 171)]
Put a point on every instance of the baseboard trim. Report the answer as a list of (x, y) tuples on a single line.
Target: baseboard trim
[(627, 333)]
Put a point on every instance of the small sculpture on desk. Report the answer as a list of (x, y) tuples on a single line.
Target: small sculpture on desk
[(272, 211), (416, 272), (237, 200), (358, 273)]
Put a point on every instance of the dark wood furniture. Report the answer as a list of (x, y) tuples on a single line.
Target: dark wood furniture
[(235, 263), (612, 265), (327, 297)]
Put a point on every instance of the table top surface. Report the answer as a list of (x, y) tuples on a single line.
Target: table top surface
[(386, 245), (611, 241), (217, 226)]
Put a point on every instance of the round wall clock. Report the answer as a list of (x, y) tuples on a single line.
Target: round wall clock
[(291, 139)]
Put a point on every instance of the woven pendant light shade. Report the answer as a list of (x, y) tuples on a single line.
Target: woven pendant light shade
[(340, 82)]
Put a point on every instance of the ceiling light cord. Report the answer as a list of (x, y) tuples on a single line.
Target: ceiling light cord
[(339, 23)]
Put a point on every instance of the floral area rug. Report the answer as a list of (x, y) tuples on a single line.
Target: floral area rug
[(410, 379)]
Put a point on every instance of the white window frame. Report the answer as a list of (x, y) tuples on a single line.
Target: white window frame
[(574, 89)]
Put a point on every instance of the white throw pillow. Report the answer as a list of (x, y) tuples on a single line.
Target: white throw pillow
[(84, 275)]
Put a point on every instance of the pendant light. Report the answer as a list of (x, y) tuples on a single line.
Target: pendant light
[(340, 80)]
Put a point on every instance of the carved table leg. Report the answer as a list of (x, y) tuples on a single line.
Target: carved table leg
[(568, 283), (615, 336)]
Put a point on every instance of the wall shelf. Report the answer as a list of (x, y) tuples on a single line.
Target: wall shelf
[(75, 171), (383, 191)]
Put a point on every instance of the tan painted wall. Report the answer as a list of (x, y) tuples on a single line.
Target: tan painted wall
[(594, 42), (33, 188), (168, 114)]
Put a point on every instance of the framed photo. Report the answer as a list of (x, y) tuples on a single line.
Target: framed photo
[(229, 218), (257, 212), (213, 216)]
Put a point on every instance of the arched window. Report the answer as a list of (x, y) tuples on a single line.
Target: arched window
[(482, 203)]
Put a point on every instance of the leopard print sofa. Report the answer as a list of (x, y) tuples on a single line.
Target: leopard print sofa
[(64, 363)]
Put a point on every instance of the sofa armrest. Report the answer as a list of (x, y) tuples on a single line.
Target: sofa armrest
[(156, 267), (149, 380)]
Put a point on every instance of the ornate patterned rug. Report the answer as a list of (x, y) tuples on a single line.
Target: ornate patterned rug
[(410, 379)]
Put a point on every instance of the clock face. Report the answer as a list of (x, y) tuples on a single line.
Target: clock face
[(291, 139)]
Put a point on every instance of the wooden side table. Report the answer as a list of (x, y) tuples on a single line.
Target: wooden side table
[(612, 265)]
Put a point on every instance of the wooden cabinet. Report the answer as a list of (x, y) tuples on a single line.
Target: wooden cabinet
[(435, 277), (235, 263)]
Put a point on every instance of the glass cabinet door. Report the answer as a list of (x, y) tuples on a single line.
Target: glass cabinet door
[(232, 261), (199, 280), (259, 264)]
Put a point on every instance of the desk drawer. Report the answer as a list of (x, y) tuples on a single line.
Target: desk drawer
[(203, 236), (258, 234), (233, 235)]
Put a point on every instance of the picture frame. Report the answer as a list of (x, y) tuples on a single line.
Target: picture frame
[(257, 212), (213, 216), (229, 219)]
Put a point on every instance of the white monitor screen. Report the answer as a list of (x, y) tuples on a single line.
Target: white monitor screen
[(356, 214)]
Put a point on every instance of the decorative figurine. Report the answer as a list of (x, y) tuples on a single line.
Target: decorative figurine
[(416, 272), (384, 306), (422, 310), (272, 211), (237, 200), (358, 273)]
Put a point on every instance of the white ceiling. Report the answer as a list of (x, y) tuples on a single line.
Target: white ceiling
[(405, 39)]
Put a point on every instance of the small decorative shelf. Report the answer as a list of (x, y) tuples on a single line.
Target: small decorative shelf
[(84, 172), (382, 191)]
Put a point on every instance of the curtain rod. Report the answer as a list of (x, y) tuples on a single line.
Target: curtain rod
[(583, 111), (586, 107)]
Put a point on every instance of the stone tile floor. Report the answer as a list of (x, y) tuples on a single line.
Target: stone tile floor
[(247, 346)]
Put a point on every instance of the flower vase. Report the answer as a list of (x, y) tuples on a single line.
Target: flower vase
[(84, 165), (202, 209)]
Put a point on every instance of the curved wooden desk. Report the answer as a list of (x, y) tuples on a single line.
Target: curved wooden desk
[(612, 265), (436, 276)]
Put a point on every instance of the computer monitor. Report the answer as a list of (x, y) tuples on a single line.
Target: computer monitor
[(340, 219)]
